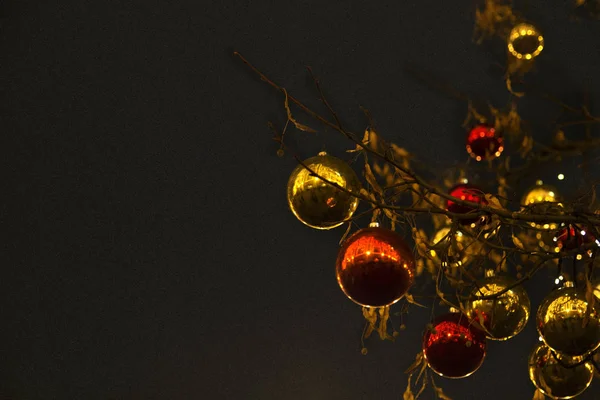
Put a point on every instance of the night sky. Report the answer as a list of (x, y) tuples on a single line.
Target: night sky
[(148, 251)]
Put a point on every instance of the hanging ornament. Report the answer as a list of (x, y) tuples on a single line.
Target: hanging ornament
[(542, 199), (470, 193), (315, 202), (525, 42), (554, 379), (540, 194), (504, 316), (375, 267), (484, 142), (565, 325), (454, 250), (453, 346), (571, 238)]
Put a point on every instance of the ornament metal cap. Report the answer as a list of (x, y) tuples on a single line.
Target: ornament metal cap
[(374, 224), (569, 284), (322, 153), (454, 310)]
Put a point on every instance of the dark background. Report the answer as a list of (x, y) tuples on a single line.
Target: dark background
[(147, 249)]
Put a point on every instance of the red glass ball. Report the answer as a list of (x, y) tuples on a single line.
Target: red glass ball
[(572, 238), (375, 267), (468, 193), (454, 348), (484, 143)]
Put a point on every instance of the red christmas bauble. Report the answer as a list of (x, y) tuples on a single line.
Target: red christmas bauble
[(375, 267), (484, 143), (454, 347), (468, 193), (571, 238)]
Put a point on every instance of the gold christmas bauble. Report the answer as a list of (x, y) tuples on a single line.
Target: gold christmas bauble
[(542, 199), (504, 316), (566, 326), (453, 250), (555, 380), (540, 194), (315, 202)]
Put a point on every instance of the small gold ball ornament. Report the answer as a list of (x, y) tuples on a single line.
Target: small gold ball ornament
[(565, 325), (315, 202), (554, 379), (540, 194), (525, 42), (453, 250), (544, 200), (505, 316)]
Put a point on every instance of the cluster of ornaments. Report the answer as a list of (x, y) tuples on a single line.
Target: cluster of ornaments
[(375, 268)]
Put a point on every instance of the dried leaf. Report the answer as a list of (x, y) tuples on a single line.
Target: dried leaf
[(388, 213), (510, 89), (399, 151), (493, 201), (408, 394), (538, 395), (365, 141), (416, 364), (518, 242), (371, 179), (289, 115), (409, 297), (345, 233), (439, 392)]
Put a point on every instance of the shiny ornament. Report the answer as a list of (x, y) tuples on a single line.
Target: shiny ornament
[(542, 199), (453, 250), (540, 194), (375, 267), (453, 346), (571, 238), (315, 202), (564, 325), (525, 42), (484, 142), (470, 193), (554, 379), (504, 316)]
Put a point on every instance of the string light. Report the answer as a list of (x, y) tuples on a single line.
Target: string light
[(561, 177)]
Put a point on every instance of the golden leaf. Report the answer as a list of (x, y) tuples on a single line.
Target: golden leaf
[(408, 394), (365, 142), (386, 169), (371, 179), (420, 266), (493, 201), (411, 300), (440, 394), (538, 395), (417, 363), (289, 115), (518, 242), (373, 138), (399, 151), (346, 233), (510, 89), (377, 169)]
